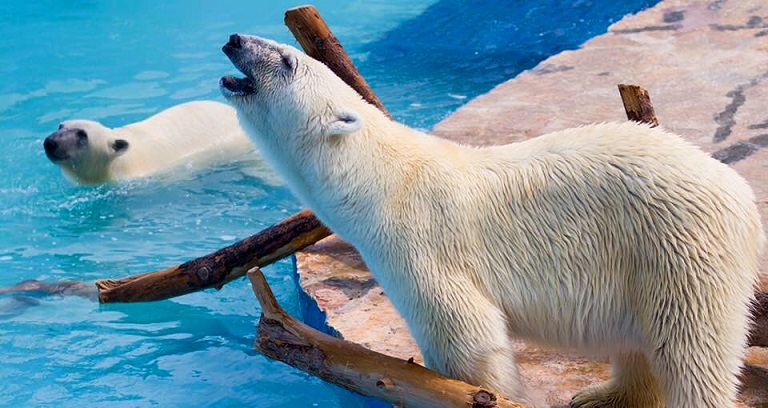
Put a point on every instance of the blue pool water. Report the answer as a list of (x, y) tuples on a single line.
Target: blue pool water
[(118, 62)]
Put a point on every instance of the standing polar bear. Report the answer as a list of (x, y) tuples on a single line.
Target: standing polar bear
[(193, 134), (612, 237)]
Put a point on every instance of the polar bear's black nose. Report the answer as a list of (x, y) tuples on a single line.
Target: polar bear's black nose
[(50, 145), (235, 41), (52, 149)]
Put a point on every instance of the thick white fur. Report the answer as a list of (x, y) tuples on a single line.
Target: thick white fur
[(614, 238), (191, 135)]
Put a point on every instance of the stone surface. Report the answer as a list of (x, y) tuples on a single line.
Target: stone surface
[(705, 64)]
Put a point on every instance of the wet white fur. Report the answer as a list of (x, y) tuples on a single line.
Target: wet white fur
[(611, 238), (191, 135)]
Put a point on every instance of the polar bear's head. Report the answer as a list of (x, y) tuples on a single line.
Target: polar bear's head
[(84, 150), (287, 94)]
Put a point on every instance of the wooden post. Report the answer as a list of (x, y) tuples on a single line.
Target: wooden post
[(318, 42), (637, 104), (366, 372)]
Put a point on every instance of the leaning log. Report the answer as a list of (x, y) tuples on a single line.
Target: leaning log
[(274, 243), (318, 42), (356, 368)]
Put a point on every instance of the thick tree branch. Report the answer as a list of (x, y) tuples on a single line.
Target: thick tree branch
[(218, 268), (356, 368)]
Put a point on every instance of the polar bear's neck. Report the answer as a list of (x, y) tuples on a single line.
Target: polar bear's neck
[(360, 183)]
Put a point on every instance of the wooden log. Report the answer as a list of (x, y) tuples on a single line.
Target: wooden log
[(318, 42), (349, 365), (290, 235), (637, 104), (216, 269)]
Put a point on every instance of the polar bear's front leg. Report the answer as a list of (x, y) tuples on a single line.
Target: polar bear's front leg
[(464, 336)]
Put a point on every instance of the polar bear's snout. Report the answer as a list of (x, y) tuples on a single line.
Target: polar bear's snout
[(245, 49), (235, 49), (265, 64), (245, 52), (61, 144)]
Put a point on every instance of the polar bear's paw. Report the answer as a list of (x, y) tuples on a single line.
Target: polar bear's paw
[(608, 395)]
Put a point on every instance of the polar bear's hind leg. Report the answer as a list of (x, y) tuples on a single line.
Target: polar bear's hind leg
[(632, 386)]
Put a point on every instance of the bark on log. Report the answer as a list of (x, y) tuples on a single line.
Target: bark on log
[(318, 42), (366, 372), (216, 269), (637, 104)]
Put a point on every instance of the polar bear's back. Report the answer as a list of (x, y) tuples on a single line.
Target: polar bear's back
[(191, 135), (574, 209)]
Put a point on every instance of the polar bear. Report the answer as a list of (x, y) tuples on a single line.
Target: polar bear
[(193, 134), (615, 238)]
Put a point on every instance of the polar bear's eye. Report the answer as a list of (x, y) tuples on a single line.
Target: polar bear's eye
[(289, 62), (82, 137)]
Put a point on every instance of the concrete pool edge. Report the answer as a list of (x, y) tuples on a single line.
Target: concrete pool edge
[(704, 65)]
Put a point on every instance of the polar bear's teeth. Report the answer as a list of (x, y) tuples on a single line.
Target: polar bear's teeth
[(236, 86)]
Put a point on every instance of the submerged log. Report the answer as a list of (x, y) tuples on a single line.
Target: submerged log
[(61, 288), (356, 368)]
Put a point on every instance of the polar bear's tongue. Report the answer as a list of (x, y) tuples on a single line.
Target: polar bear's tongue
[(236, 86)]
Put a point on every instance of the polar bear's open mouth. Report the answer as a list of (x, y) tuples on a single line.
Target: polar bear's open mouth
[(236, 86), (230, 85)]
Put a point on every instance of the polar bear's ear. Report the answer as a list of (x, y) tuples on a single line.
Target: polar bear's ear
[(346, 122), (120, 146)]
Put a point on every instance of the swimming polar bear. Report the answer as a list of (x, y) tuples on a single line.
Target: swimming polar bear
[(615, 238), (192, 135)]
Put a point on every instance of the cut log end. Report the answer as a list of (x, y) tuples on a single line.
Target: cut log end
[(637, 104)]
